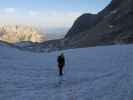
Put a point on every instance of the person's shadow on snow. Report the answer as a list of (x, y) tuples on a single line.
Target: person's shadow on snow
[(60, 81)]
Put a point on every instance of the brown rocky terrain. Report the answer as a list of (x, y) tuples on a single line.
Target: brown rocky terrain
[(20, 33)]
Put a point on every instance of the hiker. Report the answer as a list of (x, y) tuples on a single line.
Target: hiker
[(61, 63)]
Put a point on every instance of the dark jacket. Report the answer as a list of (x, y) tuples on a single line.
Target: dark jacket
[(61, 61)]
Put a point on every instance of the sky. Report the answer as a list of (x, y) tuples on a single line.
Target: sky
[(47, 13)]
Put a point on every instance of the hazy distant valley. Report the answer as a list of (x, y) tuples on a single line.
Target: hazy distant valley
[(23, 33)]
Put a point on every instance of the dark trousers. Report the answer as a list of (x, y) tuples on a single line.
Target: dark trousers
[(60, 69)]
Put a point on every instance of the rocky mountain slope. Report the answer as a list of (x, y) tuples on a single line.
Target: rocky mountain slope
[(84, 22), (19, 33), (112, 25)]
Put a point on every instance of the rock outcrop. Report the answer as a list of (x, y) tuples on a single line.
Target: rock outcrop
[(20, 33), (112, 25)]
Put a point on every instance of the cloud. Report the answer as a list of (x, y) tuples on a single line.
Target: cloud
[(9, 10), (33, 13), (46, 19), (60, 18)]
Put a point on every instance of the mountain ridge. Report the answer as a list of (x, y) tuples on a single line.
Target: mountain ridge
[(20, 33)]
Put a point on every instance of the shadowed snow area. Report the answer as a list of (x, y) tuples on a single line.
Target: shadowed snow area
[(99, 73)]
